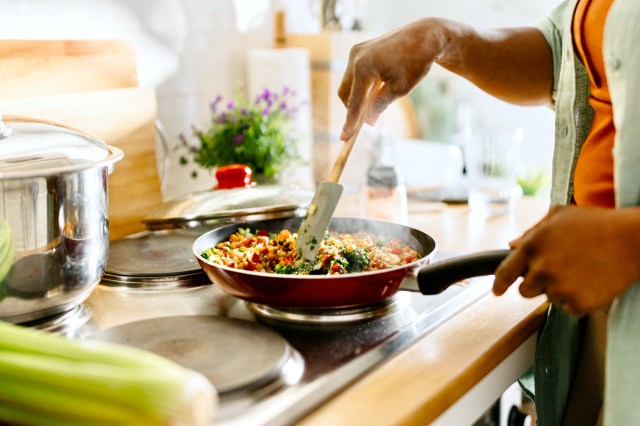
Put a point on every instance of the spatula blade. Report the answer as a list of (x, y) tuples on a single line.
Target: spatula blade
[(315, 223)]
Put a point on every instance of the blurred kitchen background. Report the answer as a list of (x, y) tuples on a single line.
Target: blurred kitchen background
[(191, 51)]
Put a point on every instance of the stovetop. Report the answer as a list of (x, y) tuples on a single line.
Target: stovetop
[(270, 367)]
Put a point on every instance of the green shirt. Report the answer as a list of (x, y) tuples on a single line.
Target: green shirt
[(560, 340)]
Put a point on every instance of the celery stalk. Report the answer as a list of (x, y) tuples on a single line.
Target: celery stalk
[(49, 401), (18, 416), (29, 340), (95, 382), (147, 389), (7, 249)]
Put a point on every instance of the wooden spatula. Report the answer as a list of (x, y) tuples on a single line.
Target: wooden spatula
[(327, 196)]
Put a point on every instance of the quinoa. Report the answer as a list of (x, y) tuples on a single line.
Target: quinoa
[(339, 253)]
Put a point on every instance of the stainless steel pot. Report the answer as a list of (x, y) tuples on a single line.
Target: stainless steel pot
[(54, 226)]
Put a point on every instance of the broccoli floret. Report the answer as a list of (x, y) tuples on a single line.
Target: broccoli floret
[(283, 269), (357, 259), (303, 268)]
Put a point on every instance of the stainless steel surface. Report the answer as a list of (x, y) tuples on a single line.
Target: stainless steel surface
[(330, 316), (151, 254), (66, 323), (332, 353), (211, 344), (54, 228), (154, 260), (224, 206)]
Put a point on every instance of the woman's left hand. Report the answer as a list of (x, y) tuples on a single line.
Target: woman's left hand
[(581, 258)]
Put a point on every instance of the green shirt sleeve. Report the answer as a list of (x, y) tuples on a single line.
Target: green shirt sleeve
[(552, 28)]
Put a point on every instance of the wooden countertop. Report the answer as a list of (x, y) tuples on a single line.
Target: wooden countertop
[(421, 383)]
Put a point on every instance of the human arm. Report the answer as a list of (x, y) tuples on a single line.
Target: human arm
[(581, 258), (513, 64)]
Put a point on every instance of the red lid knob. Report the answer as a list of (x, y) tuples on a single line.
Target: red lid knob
[(234, 176)]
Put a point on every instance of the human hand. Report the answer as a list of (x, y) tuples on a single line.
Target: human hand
[(399, 59), (581, 258), (512, 64)]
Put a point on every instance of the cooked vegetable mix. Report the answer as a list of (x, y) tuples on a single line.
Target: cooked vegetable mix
[(50, 379), (339, 253)]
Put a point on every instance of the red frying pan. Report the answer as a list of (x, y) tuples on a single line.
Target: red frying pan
[(342, 291)]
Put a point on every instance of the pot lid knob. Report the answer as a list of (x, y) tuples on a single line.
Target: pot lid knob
[(234, 176)]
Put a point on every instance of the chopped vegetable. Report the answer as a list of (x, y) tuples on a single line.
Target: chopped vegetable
[(357, 258), (51, 379), (339, 253)]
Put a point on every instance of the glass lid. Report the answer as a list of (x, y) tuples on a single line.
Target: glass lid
[(34, 147)]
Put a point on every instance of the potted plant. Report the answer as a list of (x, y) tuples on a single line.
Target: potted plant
[(258, 134)]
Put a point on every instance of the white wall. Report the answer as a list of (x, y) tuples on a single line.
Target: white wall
[(193, 50), (382, 16)]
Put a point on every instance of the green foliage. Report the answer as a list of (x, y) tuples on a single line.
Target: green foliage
[(434, 110), (258, 135), (533, 182)]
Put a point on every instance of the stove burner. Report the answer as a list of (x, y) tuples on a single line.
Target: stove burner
[(145, 282), (66, 323), (330, 316), (235, 355), (153, 261)]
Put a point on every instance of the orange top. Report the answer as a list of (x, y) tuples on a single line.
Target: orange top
[(593, 178)]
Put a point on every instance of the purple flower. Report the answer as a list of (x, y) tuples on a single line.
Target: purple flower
[(183, 139), (238, 138), (231, 105), (264, 96), (265, 112), (222, 118), (214, 105), (244, 111)]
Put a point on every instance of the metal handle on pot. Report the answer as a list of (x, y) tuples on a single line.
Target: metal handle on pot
[(437, 277)]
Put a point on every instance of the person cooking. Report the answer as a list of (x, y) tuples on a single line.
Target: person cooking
[(584, 62)]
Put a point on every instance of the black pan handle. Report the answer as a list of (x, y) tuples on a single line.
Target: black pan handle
[(437, 277)]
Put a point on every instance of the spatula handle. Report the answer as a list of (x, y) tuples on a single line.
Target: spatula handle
[(343, 156), (347, 146)]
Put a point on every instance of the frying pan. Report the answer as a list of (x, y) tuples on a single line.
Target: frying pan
[(347, 290)]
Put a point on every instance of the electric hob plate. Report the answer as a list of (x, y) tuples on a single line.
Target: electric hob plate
[(153, 254), (235, 355)]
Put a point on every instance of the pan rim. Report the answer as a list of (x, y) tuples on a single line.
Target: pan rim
[(408, 266)]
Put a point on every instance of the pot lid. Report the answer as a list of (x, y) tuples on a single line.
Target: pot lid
[(32, 147), (235, 199), (222, 206)]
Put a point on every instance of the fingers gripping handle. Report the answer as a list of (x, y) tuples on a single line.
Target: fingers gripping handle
[(343, 156), (437, 277)]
